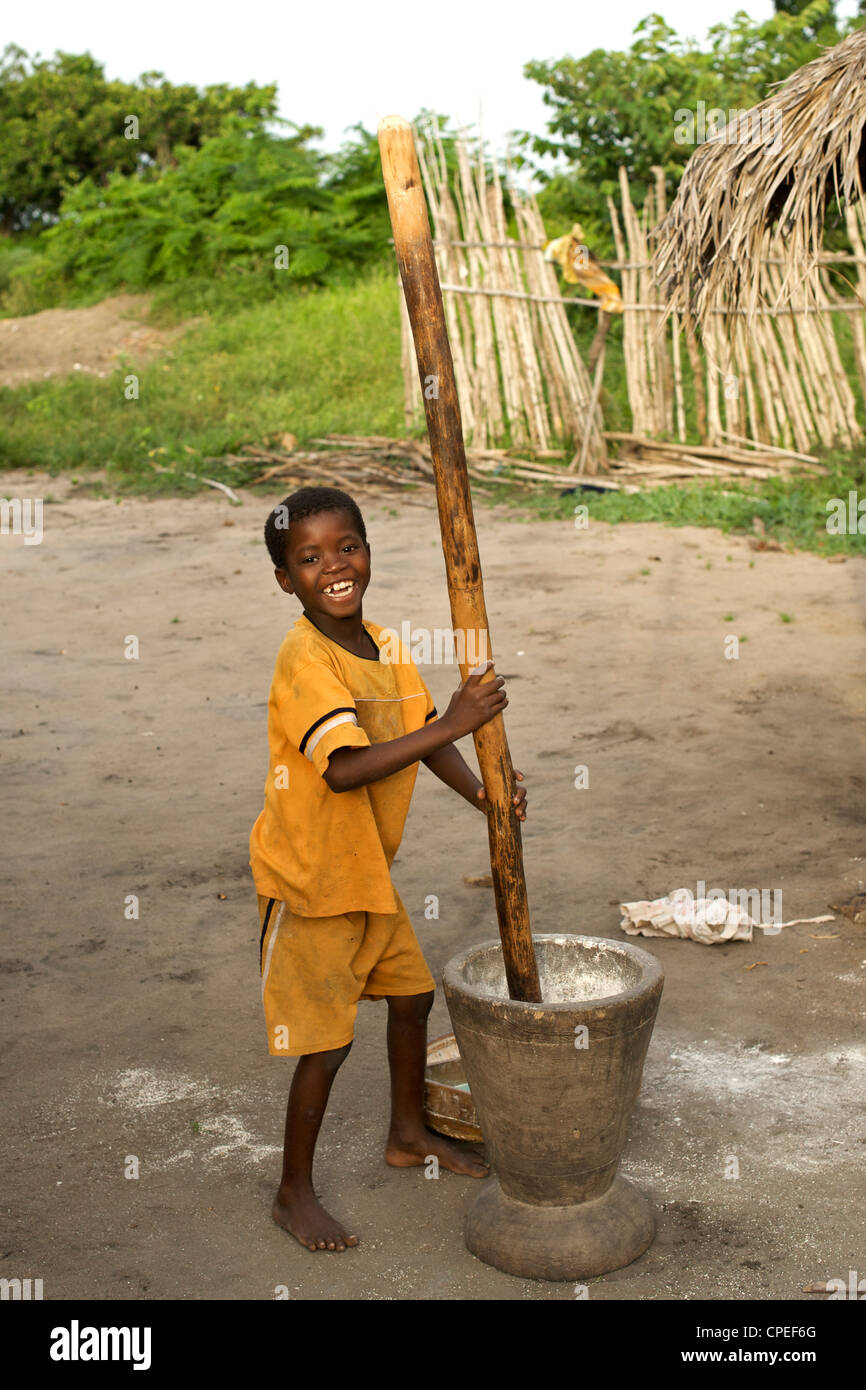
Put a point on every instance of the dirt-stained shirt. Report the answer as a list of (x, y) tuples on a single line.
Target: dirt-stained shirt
[(324, 852)]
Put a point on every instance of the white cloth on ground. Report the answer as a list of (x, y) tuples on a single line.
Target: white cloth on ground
[(707, 920)]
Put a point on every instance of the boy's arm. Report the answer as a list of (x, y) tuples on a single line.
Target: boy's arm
[(473, 703), (349, 768), (450, 767)]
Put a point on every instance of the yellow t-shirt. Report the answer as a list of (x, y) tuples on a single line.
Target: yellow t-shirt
[(324, 852)]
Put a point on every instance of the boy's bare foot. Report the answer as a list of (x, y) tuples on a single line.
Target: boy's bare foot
[(410, 1152), (300, 1213)]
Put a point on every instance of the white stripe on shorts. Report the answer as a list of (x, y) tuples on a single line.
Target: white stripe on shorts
[(276, 928)]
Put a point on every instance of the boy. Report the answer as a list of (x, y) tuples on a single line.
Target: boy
[(346, 730)]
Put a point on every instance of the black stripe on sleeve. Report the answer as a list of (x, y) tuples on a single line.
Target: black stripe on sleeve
[(432, 715), (343, 709)]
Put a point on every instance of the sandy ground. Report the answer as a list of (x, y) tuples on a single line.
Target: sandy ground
[(145, 1038), (58, 341)]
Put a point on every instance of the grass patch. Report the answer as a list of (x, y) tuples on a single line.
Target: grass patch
[(327, 362), (793, 511)]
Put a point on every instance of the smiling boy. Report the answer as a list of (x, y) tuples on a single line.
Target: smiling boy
[(346, 729)]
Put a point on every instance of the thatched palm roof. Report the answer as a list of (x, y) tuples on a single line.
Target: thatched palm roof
[(775, 169)]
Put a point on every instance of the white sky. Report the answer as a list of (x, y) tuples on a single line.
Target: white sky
[(337, 62)]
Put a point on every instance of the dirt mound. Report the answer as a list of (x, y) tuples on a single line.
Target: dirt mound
[(56, 342)]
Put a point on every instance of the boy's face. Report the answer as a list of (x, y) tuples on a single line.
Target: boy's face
[(327, 564)]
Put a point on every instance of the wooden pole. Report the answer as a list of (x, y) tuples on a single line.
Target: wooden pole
[(414, 248)]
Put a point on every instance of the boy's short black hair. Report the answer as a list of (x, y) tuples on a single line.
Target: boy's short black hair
[(307, 501)]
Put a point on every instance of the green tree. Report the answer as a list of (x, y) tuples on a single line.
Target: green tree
[(247, 203), (216, 217), (353, 180), (792, 6), (62, 121), (613, 108)]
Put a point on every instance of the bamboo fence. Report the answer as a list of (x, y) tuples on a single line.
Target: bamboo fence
[(773, 383), (778, 379), (519, 374)]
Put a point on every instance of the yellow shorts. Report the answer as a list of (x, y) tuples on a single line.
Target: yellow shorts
[(315, 969)]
